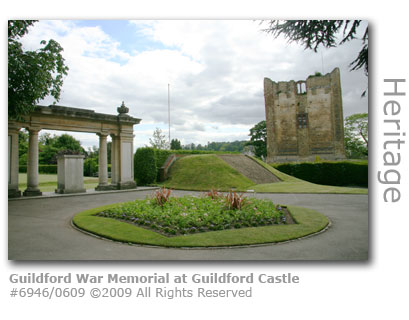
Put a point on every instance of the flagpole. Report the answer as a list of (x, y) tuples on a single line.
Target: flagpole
[(169, 111)]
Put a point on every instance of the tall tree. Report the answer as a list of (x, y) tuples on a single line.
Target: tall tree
[(356, 135), (50, 146), (313, 33), (258, 139), (158, 140), (32, 75), (175, 144)]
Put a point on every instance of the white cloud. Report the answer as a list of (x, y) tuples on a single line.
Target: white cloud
[(215, 70)]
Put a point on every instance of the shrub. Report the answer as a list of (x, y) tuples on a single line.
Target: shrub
[(90, 167), (234, 201), (145, 166), (42, 168), (213, 194), (162, 196)]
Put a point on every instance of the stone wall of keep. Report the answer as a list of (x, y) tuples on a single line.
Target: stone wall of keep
[(321, 103)]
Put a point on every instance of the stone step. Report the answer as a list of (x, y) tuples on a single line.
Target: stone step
[(249, 168)]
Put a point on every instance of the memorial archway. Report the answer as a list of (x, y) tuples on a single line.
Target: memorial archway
[(119, 127)]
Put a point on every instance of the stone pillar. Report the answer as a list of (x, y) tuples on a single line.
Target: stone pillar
[(114, 162), (13, 163), (103, 163), (32, 164)]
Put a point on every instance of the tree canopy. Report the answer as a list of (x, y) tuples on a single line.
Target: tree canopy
[(49, 146), (314, 33), (32, 75), (356, 136), (158, 140), (175, 144), (258, 139)]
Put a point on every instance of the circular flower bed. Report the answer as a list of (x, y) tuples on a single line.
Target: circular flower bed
[(188, 215), (182, 222)]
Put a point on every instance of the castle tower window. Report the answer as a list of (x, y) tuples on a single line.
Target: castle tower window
[(301, 87), (302, 120)]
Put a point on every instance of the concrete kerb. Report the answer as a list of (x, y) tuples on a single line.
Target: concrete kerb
[(88, 192)]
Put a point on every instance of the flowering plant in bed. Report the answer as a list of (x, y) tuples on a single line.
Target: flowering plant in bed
[(188, 214)]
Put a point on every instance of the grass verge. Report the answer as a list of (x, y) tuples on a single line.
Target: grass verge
[(48, 182), (308, 222)]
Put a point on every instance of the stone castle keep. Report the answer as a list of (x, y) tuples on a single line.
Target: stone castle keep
[(304, 119)]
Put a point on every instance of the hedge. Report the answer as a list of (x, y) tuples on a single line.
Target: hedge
[(53, 169), (145, 169), (343, 173), (42, 168)]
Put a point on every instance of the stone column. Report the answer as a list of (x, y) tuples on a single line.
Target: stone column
[(103, 163), (114, 162), (32, 164), (13, 191)]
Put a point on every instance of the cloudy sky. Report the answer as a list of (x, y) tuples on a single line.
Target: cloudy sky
[(215, 69)]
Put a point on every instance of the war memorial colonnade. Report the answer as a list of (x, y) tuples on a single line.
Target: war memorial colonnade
[(119, 127)]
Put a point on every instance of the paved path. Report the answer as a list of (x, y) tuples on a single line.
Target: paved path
[(40, 229)]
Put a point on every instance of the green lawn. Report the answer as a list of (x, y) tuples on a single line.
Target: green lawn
[(308, 222), (204, 172), (48, 182)]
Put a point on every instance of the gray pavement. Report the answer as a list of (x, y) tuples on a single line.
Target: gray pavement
[(40, 229)]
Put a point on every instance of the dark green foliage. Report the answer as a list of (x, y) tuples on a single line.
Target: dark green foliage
[(225, 147), (235, 146), (175, 144), (313, 33), (90, 167), (51, 146), (342, 173), (356, 136), (32, 75), (258, 139), (145, 166), (203, 152), (22, 147), (161, 156), (42, 169)]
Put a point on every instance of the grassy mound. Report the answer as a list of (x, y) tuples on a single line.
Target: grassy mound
[(203, 172), (308, 222)]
